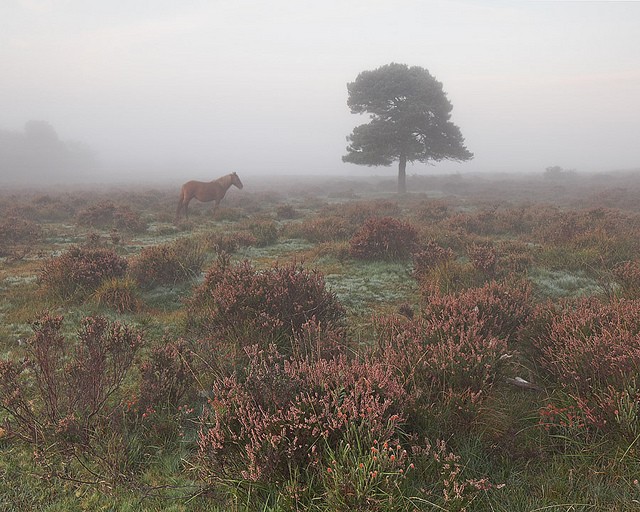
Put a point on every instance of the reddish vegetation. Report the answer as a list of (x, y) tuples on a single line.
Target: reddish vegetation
[(384, 238), (80, 270), (272, 304), (276, 386)]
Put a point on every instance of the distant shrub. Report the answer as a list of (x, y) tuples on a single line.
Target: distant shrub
[(52, 209), (286, 211), (107, 215), (271, 304), (265, 231), (433, 211), (321, 229), (80, 271), (125, 219), (358, 212), (230, 242), (167, 264), (97, 215), (384, 238), (17, 232)]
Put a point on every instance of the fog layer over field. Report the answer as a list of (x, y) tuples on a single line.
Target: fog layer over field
[(167, 91)]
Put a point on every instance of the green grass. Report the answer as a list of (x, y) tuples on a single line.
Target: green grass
[(555, 284)]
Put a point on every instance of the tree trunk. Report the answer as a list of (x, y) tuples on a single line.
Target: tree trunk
[(402, 175)]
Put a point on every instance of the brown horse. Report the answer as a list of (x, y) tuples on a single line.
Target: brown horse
[(205, 192)]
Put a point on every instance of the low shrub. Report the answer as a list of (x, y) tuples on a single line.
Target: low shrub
[(384, 238), (627, 275), (446, 366), (483, 258), (279, 415), (497, 309), (107, 215), (17, 232), (66, 398), (357, 213), (286, 211), (229, 242), (264, 231), (592, 349), (272, 304), (431, 255), (80, 271), (166, 378), (321, 229), (168, 264)]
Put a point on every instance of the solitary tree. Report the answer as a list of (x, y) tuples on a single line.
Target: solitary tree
[(409, 120)]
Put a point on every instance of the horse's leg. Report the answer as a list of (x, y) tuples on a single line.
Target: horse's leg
[(179, 209), (183, 196), (186, 207)]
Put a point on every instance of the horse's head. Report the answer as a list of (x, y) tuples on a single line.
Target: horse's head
[(235, 180)]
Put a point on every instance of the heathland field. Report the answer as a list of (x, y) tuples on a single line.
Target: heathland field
[(323, 344)]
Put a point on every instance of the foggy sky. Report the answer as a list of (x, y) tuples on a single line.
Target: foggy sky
[(200, 88)]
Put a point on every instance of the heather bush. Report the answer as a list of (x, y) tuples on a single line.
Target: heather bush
[(168, 264), (230, 242), (488, 221), (264, 231), (272, 304), (107, 215), (433, 211), (446, 365), (166, 377), (279, 415), (483, 257), (120, 294), (50, 209), (286, 211), (79, 271), (498, 309), (627, 274), (357, 213), (64, 397), (592, 349), (321, 229), (17, 232), (430, 256), (384, 238)]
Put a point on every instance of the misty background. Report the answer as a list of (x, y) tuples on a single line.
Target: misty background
[(167, 91)]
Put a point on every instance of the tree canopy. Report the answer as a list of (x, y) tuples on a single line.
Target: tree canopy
[(410, 120)]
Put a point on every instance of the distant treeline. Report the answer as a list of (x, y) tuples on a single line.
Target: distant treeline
[(37, 153)]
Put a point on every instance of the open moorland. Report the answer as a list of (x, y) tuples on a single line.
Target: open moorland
[(323, 344)]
